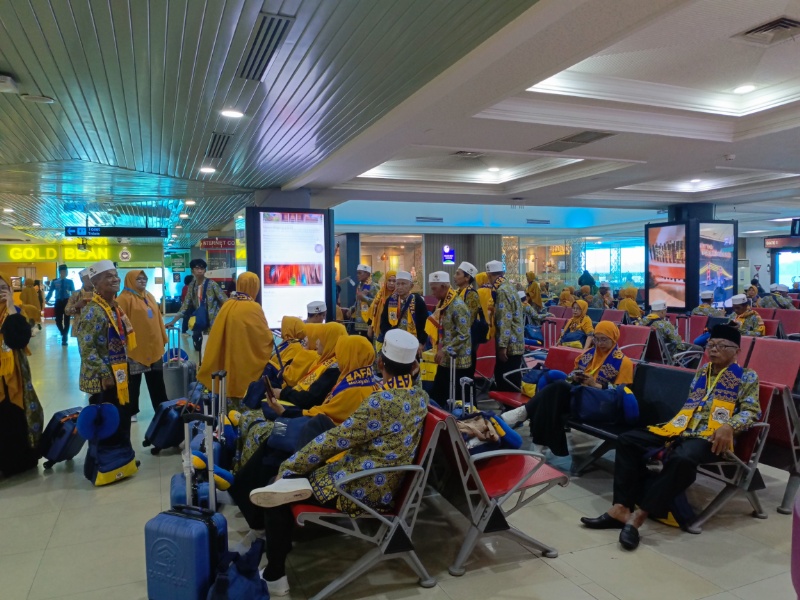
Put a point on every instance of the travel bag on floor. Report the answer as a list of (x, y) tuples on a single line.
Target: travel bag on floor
[(217, 408), (61, 440), (190, 486), (183, 547), (178, 373), (166, 428), (108, 464)]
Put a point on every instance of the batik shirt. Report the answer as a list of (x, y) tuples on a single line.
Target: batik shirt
[(668, 333), (747, 410), (383, 432), (370, 291), (600, 301), (750, 323), (456, 340), (214, 300), (93, 344), (473, 302), (775, 301), (708, 311), (508, 320)]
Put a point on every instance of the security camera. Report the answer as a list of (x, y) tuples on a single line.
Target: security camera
[(730, 157)]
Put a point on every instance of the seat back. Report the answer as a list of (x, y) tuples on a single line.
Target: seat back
[(485, 361), (714, 321), (790, 320), (660, 392), (562, 358), (633, 340), (766, 313), (558, 311), (771, 327), (697, 325), (775, 361), (796, 303), (551, 330), (613, 315), (672, 318), (748, 441), (430, 302), (595, 314)]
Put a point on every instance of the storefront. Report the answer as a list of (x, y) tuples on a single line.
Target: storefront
[(784, 259)]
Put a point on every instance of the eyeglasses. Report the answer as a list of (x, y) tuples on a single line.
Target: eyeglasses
[(717, 346), (601, 339)]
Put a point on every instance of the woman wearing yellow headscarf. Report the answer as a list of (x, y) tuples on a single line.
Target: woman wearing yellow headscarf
[(376, 309), (566, 298), (577, 328), (146, 358), (293, 332), (304, 358), (485, 293), (240, 340), (30, 297), (21, 416), (628, 303), (534, 292), (318, 382)]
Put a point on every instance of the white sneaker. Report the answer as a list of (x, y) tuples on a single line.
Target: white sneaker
[(514, 416), (134, 419), (249, 539), (279, 587), (281, 492)]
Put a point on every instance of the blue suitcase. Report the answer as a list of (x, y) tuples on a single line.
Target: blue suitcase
[(166, 428), (183, 545), (61, 440)]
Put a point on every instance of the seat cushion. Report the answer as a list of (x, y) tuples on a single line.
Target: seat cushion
[(512, 399), (500, 474)]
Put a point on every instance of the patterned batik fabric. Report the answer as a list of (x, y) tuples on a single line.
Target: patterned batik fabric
[(609, 371), (509, 331), (254, 429), (96, 349), (455, 334)]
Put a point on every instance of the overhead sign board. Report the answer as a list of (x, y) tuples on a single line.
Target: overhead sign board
[(218, 244), (448, 255), (128, 232)]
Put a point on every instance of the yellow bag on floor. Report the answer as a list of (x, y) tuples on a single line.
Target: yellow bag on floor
[(428, 366)]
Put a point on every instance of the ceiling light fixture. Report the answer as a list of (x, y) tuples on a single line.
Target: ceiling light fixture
[(35, 224), (183, 216), (757, 231), (174, 235), (8, 210), (178, 226), (231, 114), (239, 217), (189, 202), (208, 170), (784, 219), (37, 99), (744, 89), (696, 180), (493, 169)]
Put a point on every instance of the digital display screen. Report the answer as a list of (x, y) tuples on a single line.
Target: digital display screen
[(292, 263), (717, 270), (666, 264)]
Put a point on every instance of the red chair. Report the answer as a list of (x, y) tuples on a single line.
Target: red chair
[(559, 312), (485, 363), (633, 341), (772, 328), (790, 322), (430, 302), (490, 481), (697, 326), (613, 315), (796, 303), (766, 313), (392, 539), (672, 318), (551, 331)]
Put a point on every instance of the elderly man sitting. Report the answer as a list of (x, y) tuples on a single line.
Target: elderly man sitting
[(723, 402)]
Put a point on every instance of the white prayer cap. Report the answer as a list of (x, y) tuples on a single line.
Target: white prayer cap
[(439, 277), (739, 299), (605, 284), (366, 268), (83, 273), (316, 307), (468, 268), (521, 294), (400, 346), (783, 288), (495, 266), (773, 287), (707, 295), (658, 305), (100, 266), (405, 275)]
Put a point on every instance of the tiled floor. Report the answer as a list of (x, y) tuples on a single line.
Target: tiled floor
[(62, 538)]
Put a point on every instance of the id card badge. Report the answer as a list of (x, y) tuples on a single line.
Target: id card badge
[(149, 313)]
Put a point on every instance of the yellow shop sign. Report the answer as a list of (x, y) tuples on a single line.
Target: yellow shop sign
[(31, 253), (93, 253)]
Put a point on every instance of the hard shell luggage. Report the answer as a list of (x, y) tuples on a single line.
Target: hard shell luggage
[(166, 428), (183, 546), (178, 373), (217, 409), (61, 440), (189, 486)]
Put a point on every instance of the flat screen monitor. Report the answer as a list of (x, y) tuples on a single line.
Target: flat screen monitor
[(666, 264), (717, 267), (290, 255)]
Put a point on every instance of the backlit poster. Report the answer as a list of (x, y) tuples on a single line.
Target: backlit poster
[(666, 264), (292, 263), (717, 269)]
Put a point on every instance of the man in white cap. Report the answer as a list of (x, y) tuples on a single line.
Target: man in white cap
[(104, 336), (316, 312), (657, 320), (405, 310), (783, 292), (448, 329), (383, 432), (464, 279), (706, 307), (775, 299), (747, 320), (603, 299), (79, 300), (509, 336), (365, 294)]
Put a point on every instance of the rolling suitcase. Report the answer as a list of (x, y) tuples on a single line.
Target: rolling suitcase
[(217, 409), (190, 487), (183, 545), (61, 440), (166, 428), (178, 373)]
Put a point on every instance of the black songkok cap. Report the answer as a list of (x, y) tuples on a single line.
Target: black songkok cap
[(727, 332)]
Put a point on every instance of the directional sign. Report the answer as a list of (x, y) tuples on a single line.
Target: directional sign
[(116, 232)]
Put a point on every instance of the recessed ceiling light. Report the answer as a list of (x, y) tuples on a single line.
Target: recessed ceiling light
[(784, 220), (757, 231), (232, 114), (240, 217), (178, 226), (744, 89), (174, 235), (696, 180), (183, 216), (8, 210), (35, 224), (493, 169), (592, 237), (208, 170), (37, 99), (189, 202)]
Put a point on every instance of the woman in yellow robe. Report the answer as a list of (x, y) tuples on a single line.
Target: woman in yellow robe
[(30, 297), (566, 298), (628, 303), (579, 323), (487, 300), (534, 292)]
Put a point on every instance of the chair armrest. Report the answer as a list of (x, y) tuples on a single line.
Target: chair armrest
[(632, 346), (418, 470), (474, 459), (520, 370)]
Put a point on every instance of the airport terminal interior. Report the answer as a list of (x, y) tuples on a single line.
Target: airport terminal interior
[(599, 171)]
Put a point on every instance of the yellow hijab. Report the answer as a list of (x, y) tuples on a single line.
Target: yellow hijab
[(293, 328), (534, 292), (145, 316), (327, 334), (575, 322), (240, 341), (354, 355), (28, 295), (628, 302), (610, 330), (566, 298), (10, 374), (293, 331), (376, 310)]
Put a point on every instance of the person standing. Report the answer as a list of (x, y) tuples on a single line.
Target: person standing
[(30, 296), (205, 298), (365, 294), (105, 336), (376, 310), (509, 334), (63, 288), (405, 310), (185, 323), (79, 299), (448, 328), (146, 358), (465, 282), (534, 292)]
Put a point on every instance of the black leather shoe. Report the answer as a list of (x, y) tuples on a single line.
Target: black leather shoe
[(604, 521), (629, 537)]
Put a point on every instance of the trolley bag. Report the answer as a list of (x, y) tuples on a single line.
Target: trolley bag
[(466, 405), (184, 545), (165, 430), (191, 487), (178, 373), (217, 409), (61, 440)]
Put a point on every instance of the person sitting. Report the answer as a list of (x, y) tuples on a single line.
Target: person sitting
[(534, 292), (722, 403), (586, 294), (603, 299), (577, 330), (657, 320), (316, 312), (775, 299), (752, 295), (293, 332), (566, 298), (706, 307), (602, 366), (755, 282), (747, 320), (628, 303), (384, 431), (787, 303)]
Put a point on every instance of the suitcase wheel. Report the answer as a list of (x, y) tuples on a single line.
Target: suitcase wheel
[(155, 451), (48, 464)]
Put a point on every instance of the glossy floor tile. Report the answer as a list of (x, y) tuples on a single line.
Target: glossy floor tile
[(61, 538)]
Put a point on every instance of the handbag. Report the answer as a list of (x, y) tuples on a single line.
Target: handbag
[(534, 335), (612, 406), (201, 314), (238, 578), (286, 434), (575, 339)]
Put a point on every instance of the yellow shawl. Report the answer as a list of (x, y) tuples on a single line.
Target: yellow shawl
[(327, 334)]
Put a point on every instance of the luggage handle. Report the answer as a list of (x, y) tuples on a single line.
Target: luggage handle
[(187, 457), (222, 400), (189, 417), (189, 508), (173, 347)]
